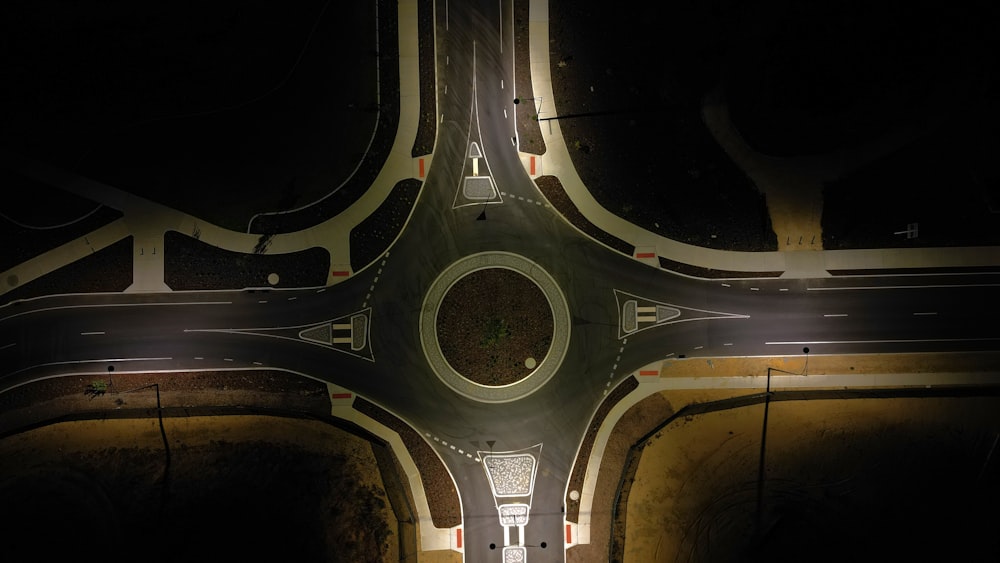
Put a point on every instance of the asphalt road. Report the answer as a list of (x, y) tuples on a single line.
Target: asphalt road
[(240, 329)]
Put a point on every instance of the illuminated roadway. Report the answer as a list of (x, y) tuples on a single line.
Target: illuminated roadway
[(239, 329)]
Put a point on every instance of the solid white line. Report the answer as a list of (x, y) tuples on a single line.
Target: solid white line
[(92, 333), (95, 306), (5, 346), (890, 341), (929, 286), (836, 315), (928, 313)]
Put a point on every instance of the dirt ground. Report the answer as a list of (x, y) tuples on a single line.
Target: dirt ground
[(839, 475), (228, 488)]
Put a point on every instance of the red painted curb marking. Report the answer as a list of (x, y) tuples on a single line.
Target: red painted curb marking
[(340, 273), (340, 395), (569, 534), (645, 255), (649, 372), (459, 536), (421, 168), (532, 166)]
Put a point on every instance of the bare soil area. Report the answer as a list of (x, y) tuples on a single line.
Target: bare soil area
[(275, 482), (494, 326)]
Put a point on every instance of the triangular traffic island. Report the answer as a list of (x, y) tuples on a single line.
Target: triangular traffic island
[(477, 187), (349, 334), (636, 313)]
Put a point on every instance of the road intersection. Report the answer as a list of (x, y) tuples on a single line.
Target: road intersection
[(373, 332)]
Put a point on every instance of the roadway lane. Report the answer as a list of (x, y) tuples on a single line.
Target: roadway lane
[(261, 329)]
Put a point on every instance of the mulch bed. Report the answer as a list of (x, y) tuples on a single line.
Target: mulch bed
[(190, 264), (490, 322)]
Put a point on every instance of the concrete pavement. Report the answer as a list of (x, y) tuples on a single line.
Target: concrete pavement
[(557, 162), (147, 221)]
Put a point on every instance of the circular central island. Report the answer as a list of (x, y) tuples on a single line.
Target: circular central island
[(494, 327)]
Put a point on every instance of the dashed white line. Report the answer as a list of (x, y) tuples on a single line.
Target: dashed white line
[(262, 301), (926, 313), (292, 298), (754, 289), (836, 315), (727, 344), (257, 364), (698, 347), (782, 289), (227, 359), (4, 347), (92, 333), (726, 285)]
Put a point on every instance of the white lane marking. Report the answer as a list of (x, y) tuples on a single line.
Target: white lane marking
[(199, 358), (292, 298), (668, 355), (783, 289), (227, 359), (887, 341), (929, 286), (836, 315), (926, 313), (726, 285), (262, 301), (257, 364), (92, 333), (5, 346), (727, 344), (505, 113), (698, 347), (321, 290), (754, 289), (61, 307)]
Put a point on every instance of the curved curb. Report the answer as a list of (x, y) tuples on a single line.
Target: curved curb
[(560, 320)]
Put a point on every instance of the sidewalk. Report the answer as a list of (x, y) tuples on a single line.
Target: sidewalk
[(147, 221), (794, 264)]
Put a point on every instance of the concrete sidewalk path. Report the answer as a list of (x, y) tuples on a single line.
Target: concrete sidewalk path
[(556, 161)]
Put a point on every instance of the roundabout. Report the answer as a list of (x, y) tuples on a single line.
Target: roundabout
[(494, 327)]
